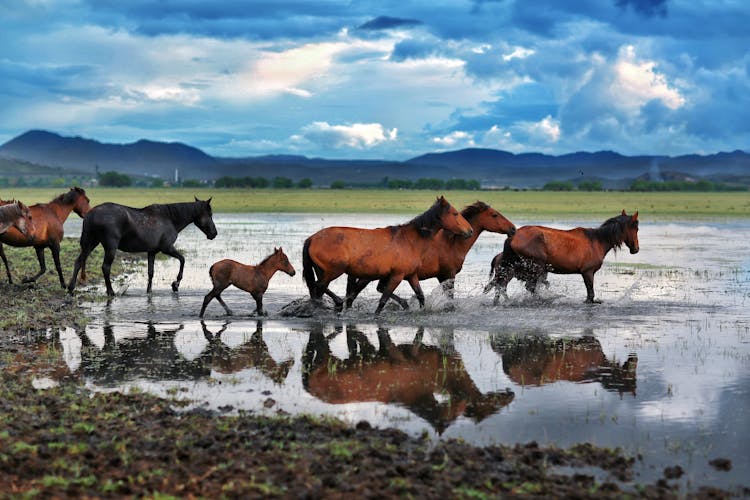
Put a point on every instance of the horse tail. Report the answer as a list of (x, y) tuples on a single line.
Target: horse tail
[(308, 272)]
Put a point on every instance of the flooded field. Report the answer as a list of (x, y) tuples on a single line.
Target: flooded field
[(661, 368)]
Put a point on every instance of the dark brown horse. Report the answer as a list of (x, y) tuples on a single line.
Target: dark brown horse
[(534, 250), (14, 214), (445, 258), (410, 375), (151, 229), (523, 270), (392, 253), (252, 279), (539, 360), (48, 230)]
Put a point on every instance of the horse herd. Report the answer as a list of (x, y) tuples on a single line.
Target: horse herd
[(431, 245)]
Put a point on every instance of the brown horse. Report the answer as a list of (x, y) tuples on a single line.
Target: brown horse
[(539, 360), (536, 249), (409, 375), (445, 258), (392, 254), (47, 231), (14, 214), (252, 279)]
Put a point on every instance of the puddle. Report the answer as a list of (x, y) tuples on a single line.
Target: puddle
[(661, 368)]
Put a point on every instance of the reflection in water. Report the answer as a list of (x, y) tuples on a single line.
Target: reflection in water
[(538, 360), (155, 357), (410, 375)]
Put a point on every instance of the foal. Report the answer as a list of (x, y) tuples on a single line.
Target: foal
[(252, 279), (15, 214)]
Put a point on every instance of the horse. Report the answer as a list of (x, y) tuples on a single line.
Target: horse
[(391, 253), (445, 258), (534, 250), (539, 360), (523, 270), (151, 229), (252, 279), (15, 215), (47, 231), (410, 375)]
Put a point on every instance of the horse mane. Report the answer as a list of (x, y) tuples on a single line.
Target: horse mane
[(265, 260), (428, 222), (476, 208), (612, 231), (70, 196)]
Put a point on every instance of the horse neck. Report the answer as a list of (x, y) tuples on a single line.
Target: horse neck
[(181, 214), (60, 209), (268, 268), (604, 244)]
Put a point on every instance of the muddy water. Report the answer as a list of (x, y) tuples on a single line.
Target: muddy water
[(661, 368)]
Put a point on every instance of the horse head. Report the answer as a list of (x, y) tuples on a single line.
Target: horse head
[(631, 232), (451, 220), (485, 218), (283, 262), (24, 222), (80, 201), (204, 218)]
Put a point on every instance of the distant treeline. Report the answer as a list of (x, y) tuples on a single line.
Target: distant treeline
[(644, 185)]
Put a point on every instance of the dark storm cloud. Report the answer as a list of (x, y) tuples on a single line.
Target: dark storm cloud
[(386, 22)]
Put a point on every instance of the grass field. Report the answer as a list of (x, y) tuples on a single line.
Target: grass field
[(513, 204)]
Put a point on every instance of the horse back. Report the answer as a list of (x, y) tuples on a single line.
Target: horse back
[(361, 252), (564, 251)]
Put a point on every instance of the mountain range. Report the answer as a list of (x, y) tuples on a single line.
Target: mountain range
[(493, 168)]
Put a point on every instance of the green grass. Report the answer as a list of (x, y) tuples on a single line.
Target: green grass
[(514, 204)]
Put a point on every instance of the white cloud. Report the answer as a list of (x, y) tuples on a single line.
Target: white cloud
[(545, 130), (357, 135), (518, 53), (636, 82), (455, 138)]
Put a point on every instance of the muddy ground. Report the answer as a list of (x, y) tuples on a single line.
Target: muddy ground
[(68, 441)]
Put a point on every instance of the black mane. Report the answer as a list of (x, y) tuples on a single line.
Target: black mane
[(70, 196), (429, 222), (612, 231)]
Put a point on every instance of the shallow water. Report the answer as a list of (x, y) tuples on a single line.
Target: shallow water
[(661, 368)]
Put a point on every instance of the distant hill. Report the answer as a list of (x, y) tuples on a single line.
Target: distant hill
[(491, 167)]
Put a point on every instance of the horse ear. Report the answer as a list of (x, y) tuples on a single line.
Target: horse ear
[(635, 215), (442, 200), (623, 212), (196, 198), (209, 200)]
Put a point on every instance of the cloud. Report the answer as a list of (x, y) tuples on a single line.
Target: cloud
[(636, 82), (455, 139), (357, 135), (646, 8), (385, 22)]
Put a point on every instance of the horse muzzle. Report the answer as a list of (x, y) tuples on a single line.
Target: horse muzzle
[(469, 233), (512, 231), (634, 250)]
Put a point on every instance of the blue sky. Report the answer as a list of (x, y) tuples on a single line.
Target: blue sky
[(381, 79)]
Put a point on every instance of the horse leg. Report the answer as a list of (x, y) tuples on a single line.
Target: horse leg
[(414, 282), (215, 293), (259, 304), (151, 257), (354, 287), (391, 284), (42, 266), (80, 264), (55, 249), (588, 279), (172, 252), (402, 302), (5, 261), (109, 257)]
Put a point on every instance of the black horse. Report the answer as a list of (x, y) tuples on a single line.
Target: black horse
[(150, 229)]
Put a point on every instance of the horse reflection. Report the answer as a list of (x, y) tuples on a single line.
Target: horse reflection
[(539, 360), (409, 375), (156, 357), (251, 354)]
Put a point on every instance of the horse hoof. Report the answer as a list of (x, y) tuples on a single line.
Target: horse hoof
[(175, 286)]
